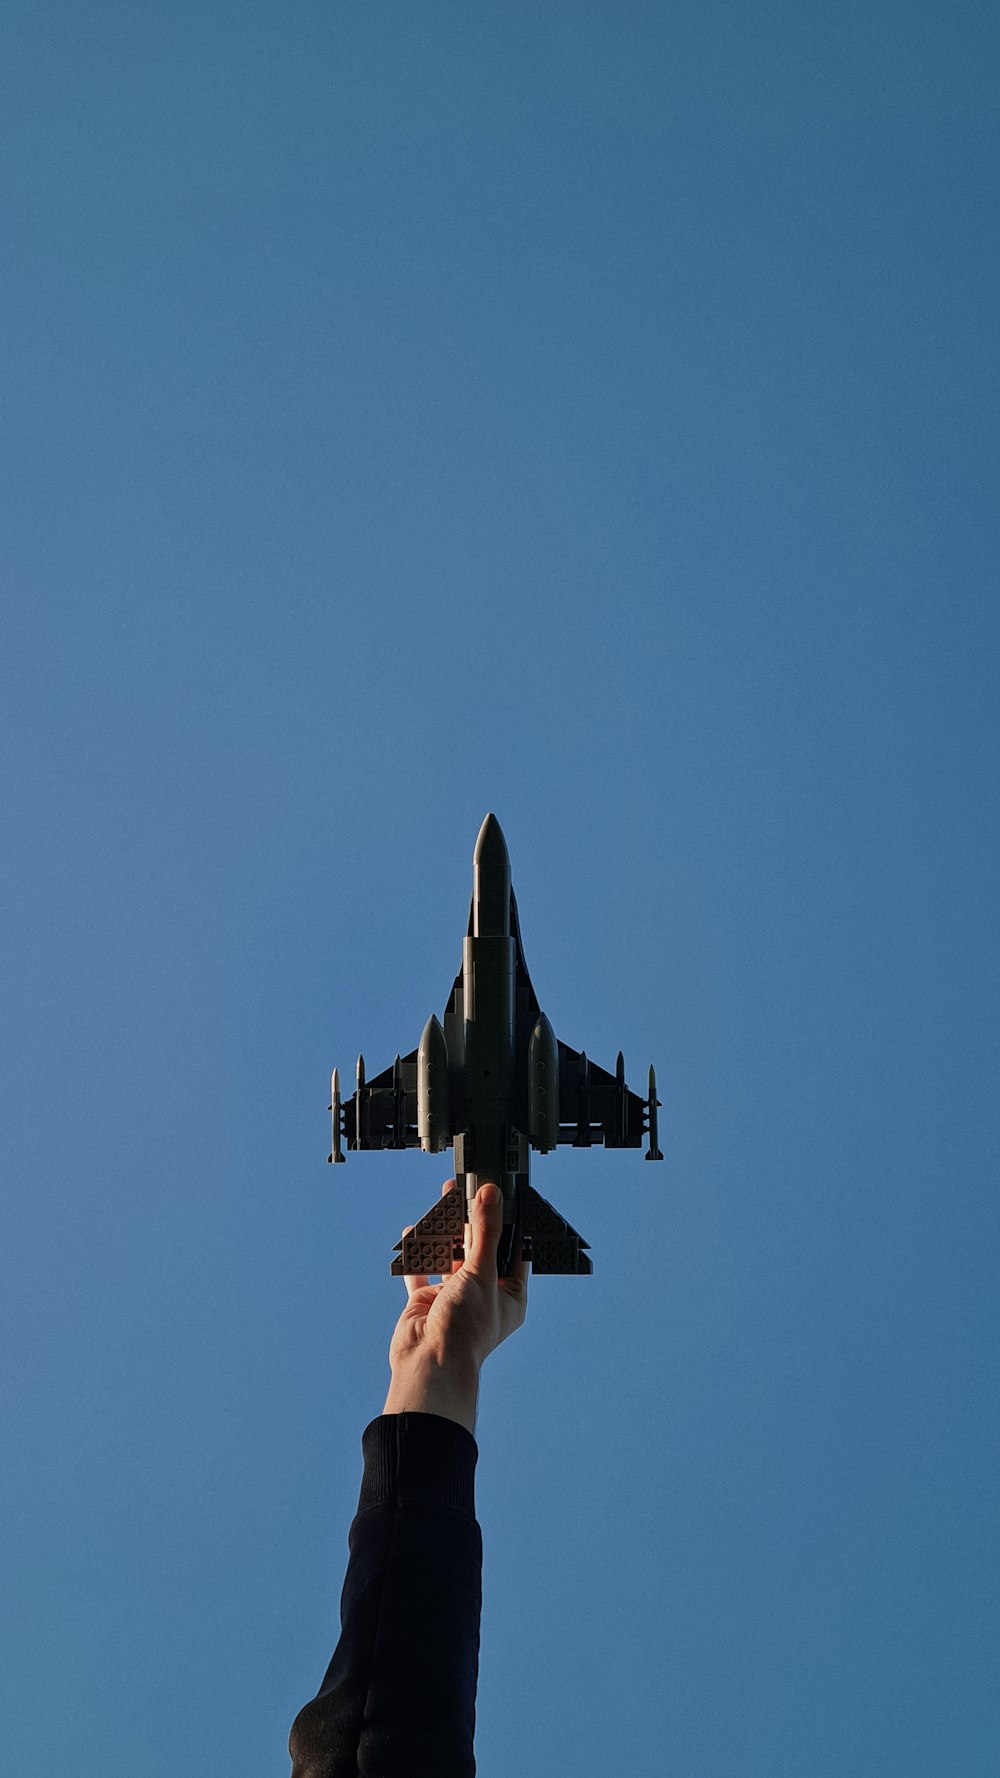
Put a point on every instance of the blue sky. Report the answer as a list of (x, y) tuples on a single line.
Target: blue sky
[(586, 413)]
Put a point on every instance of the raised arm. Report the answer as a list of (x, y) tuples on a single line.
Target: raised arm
[(398, 1698)]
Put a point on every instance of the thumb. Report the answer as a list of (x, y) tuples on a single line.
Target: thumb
[(487, 1221)]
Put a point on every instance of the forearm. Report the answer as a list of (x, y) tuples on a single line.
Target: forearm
[(421, 1386), (399, 1695)]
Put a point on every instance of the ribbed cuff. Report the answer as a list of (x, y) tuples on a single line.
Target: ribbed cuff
[(418, 1457)]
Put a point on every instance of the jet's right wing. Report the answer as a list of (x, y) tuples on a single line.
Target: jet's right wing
[(597, 1107)]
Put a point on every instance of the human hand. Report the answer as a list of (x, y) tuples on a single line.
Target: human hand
[(447, 1330)]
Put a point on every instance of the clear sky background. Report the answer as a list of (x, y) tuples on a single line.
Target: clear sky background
[(585, 412)]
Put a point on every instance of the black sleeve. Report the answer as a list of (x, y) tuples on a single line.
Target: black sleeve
[(399, 1696)]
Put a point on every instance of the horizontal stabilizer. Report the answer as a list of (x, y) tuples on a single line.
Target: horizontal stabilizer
[(550, 1242), (546, 1239), (435, 1242)]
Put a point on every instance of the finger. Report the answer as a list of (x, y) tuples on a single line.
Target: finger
[(413, 1280), (487, 1221)]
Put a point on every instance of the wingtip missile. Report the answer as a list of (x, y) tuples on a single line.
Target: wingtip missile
[(653, 1151), (336, 1152)]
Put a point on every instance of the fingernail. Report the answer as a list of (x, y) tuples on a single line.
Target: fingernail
[(488, 1195)]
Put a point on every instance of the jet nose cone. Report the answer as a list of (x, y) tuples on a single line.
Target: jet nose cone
[(490, 882), (491, 845)]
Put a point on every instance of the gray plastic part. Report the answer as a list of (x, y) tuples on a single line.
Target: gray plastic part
[(433, 1122), (336, 1152), (543, 1087)]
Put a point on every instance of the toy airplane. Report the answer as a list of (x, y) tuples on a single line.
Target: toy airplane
[(493, 1082)]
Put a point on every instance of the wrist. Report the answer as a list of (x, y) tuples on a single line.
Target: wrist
[(418, 1386)]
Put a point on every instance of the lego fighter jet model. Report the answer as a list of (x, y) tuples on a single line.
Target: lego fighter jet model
[(493, 1082)]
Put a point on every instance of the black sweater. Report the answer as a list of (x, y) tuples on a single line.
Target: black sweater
[(399, 1696)]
